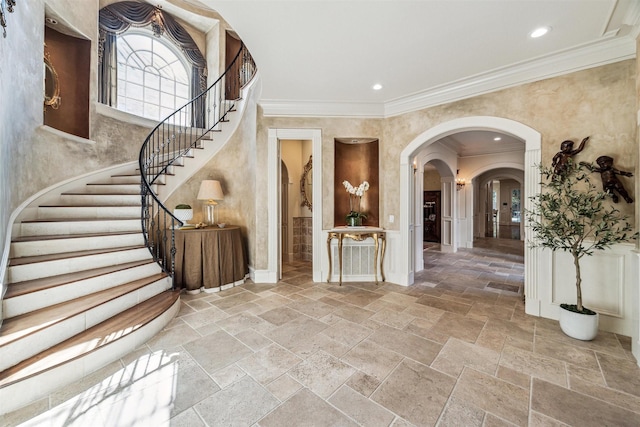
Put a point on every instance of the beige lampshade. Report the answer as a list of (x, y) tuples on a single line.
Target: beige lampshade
[(210, 190)]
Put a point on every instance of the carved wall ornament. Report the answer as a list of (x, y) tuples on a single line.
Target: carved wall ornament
[(559, 162), (610, 182)]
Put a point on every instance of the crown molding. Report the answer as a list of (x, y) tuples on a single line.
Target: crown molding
[(605, 51), (290, 108)]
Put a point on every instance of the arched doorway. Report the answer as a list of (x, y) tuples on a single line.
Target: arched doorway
[(410, 243)]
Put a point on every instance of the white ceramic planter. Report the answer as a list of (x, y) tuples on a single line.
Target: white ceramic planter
[(183, 215), (579, 326)]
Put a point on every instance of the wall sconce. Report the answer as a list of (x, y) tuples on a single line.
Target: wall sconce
[(210, 190), (460, 183)]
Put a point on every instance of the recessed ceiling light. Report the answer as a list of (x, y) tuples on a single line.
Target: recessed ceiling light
[(539, 32), (497, 138), (377, 86)]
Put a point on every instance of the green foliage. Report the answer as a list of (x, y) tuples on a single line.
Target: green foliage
[(572, 215), (183, 206)]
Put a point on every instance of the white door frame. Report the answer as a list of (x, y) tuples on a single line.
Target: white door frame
[(273, 196), (532, 139)]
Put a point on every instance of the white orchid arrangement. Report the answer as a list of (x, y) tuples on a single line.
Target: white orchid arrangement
[(355, 196)]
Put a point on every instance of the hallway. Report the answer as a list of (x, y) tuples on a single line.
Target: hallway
[(454, 349)]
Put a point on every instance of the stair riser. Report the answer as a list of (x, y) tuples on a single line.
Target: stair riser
[(112, 188), (57, 246), (101, 200), (36, 300), (19, 394), (88, 212), (39, 341), (20, 273), (79, 227)]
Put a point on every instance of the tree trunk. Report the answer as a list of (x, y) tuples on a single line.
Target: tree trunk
[(576, 262)]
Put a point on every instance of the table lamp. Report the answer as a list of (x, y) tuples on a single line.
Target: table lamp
[(210, 191)]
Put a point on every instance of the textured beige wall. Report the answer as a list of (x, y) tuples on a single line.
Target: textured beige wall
[(599, 102), (235, 167), (431, 181)]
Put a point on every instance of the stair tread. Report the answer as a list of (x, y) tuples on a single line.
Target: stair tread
[(80, 193), (78, 205), (93, 338), (70, 236), (35, 285), (65, 219), (66, 255), (18, 327)]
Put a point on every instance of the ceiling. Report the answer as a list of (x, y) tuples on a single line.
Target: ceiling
[(322, 57), (478, 143)]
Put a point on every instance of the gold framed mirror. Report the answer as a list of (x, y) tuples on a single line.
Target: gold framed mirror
[(51, 84), (306, 184)]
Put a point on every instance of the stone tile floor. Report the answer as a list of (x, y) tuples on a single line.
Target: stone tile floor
[(456, 349)]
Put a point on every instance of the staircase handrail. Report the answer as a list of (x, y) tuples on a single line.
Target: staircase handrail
[(176, 136)]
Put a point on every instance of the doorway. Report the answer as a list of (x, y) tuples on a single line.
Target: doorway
[(408, 242), (274, 202)]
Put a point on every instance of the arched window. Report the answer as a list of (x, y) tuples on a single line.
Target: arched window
[(153, 76), (154, 72)]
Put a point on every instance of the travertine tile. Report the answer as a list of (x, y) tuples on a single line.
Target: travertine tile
[(364, 411), (620, 374), (269, 363), (593, 376), (322, 373), (615, 397), (352, 313), (372, 359), (347, 333), (406, 344), (578, 409), (395, 319), (188, 418), (232, 407), (398, 298), (283, 387), (459, 413), (457, 326), (491, 420), (445, 305), (280, 315), (306, 409), (539, 420), (217, 350), (457, 354), (535, 365), (204, 317), (494, 395), (173, 337), (306, 347), (566, 352), (241, 322), (253, 339), (514, 377), (291, 333), (311, 307), (228, 375), (363, 383), (412, 379)]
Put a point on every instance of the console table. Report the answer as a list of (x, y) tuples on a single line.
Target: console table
[(209, 259), (358, 234)]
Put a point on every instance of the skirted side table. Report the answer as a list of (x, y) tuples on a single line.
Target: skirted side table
[(209, 259)]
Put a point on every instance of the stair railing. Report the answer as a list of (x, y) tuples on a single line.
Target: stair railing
[(174, 138)]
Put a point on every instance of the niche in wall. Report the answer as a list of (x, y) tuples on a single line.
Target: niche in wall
[(356, 160), (71, 58)]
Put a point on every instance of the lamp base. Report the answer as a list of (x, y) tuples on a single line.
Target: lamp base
[(208, 214)]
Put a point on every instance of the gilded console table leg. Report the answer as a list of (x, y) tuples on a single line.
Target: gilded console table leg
[(329, 238), (375, 257), (384, 245), (340, 255)]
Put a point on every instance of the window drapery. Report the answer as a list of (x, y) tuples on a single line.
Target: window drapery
[(116, 18)]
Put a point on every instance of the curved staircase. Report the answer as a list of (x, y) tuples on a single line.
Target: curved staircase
[(85, 284), (83, 288)]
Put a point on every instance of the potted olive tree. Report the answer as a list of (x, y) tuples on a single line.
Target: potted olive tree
[(572, 215)]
